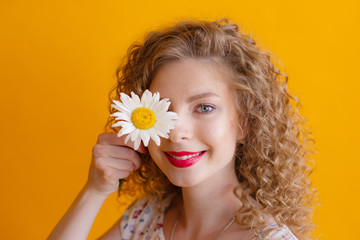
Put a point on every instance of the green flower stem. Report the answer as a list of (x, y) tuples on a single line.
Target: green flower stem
[(121, 181)]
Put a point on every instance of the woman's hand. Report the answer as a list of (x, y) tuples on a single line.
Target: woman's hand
[(112, 160)]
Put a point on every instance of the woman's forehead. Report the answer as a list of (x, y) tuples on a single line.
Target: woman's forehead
[(189, 76)]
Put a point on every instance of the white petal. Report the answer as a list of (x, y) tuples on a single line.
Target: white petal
[(122, 108), (145, 137), (156, 108), (137, 143), (164, 135), (128, 102), (150, 98), (135, 134), (127, 138), (125, 99), (146, 99), (167, 118), (172, 115), (126, 130), (117, 105), (164, 125), (136, 99), (154, 100), (127, 124), (162, 106), (121, 119), (154, 137), (119, 134), (117, 124), (122, 116), (143, 98), (161, 132), (115, 114), (166, 115)]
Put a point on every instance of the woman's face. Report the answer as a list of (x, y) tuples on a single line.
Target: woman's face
[(202, 145)]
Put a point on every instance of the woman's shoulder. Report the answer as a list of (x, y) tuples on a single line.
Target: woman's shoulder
[(144, 218), (276, 233)]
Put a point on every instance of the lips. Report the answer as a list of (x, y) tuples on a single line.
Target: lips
[(184, 159)]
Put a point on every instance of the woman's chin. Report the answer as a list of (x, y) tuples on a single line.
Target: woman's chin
[(184, 181)]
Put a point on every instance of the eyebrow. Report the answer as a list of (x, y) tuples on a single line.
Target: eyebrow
[(201, 95)]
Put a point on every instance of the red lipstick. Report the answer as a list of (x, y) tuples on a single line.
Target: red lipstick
[(180, 154), (184, 159)]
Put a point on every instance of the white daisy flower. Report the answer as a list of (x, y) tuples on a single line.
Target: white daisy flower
[(143, 119)]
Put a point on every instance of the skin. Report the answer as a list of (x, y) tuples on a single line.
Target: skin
[(112, 159), (206, 123)]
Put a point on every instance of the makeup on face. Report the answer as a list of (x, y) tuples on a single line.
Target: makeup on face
[(203, 142), (184, 159)]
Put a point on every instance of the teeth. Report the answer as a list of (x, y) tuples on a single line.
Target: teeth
[(185, 157)]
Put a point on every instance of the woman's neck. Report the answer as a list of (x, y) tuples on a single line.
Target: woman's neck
[(209, 205)]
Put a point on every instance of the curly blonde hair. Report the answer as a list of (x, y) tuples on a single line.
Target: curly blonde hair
[(272, 161)]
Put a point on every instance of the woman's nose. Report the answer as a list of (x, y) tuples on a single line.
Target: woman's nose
[(182, 131)]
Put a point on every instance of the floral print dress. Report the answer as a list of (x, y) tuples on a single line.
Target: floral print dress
[(143, 220)]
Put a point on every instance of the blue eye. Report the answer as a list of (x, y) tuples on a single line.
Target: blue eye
[(203, 108)]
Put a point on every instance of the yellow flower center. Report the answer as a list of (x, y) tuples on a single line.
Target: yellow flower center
[(143, 118)]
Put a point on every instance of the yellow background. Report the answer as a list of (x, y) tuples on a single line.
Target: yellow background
[(57, 63)]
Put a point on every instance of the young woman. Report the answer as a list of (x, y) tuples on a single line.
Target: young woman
[(234, 165)]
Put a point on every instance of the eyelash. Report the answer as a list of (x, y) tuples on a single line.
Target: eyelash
[(204, 105)]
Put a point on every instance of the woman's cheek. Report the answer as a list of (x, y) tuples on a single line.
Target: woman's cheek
[(154, 151), (213, 129)]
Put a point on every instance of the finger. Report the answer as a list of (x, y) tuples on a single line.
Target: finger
[(117, 152), (123, 174), (114, 175), (113, 163), (113, 139)]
